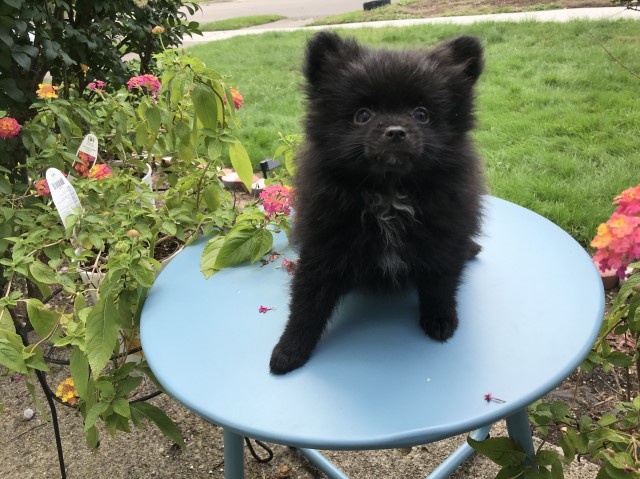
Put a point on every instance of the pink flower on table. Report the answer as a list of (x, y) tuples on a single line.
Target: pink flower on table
[(276, 201), (150, 82), (99, 171), (9, 127)]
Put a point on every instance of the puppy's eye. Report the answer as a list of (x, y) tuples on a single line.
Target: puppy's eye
[(362, 116), (421, 115)]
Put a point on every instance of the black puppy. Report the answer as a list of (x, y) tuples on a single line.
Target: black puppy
[(388, 186)]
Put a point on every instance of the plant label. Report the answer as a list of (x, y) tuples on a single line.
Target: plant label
[(88, 149), (63, 193)]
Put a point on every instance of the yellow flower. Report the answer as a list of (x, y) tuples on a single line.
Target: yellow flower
[(66, 391), (46, 90), (157, 30), (84, 68)]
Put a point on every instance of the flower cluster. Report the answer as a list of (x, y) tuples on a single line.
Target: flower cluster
[(42, 187), (46, 90), (82, 166), (96, 85), (66, 391), (276, 201), (9, 127), (237, 98), (150, 82), (618, 240), (99, 171)]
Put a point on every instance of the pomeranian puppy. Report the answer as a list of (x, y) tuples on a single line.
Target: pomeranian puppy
[(388, 186)]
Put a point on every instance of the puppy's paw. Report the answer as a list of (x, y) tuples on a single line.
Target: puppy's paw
[(474, 250), (284, 361), (441, 326)]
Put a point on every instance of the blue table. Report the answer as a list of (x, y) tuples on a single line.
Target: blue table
[(530, 309)]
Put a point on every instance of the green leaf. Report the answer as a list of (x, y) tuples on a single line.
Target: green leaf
[(102, 333), (156, 415), (510, 472), (211, 198), (42, 273), (11, 358), (6, 322), (79, 368), (94, 413), (121, 407), (42, 319), (244, 245), (142, 275), (205, 104), (210, 255), (241, 163), (154, 117), (501, 450)]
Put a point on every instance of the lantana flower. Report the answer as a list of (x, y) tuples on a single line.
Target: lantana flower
[(67, 392), (237, 98), (42, 187), (618, 240), (96, 85), (46, 90), (150, 82), (99, 171), (157, 30), (82, 166), (276, 201), (9, 127)]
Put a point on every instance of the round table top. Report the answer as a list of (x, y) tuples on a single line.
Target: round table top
[(530, 308)]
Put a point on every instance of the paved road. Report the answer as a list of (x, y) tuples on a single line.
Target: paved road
[(298, 12)]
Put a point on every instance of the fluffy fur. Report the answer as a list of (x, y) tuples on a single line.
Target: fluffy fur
[(388, 185)]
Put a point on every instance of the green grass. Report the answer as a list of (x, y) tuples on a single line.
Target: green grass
[(558, 121), (240, 22)]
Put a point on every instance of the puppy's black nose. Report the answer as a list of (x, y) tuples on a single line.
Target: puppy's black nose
[(395, 134)]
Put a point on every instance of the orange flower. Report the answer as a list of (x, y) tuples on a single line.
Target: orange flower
[(46, 90), (237, 98), (67, 392), (99, 171), (157, 30)]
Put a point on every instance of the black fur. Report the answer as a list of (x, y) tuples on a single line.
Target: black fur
[(388, 197)]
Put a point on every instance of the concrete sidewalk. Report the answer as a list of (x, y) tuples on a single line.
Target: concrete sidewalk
[(605, 13)]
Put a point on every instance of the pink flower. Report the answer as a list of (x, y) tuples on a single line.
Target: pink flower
[(99, 171), (150, 82), (42, 187), (9, 127), (289, 265), (96, 85), (491, 398), (237, 98), (276, 201), (618, 240)]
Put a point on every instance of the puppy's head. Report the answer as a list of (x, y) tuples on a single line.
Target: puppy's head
[(383, 112)]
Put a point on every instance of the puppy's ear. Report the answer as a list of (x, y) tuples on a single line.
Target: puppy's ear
[(464, 52), (327, 51)]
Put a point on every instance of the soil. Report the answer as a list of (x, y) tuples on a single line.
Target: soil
[(27, 447)]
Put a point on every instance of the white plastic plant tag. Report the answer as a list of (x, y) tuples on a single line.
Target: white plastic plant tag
[(89, 149), (63, 193)]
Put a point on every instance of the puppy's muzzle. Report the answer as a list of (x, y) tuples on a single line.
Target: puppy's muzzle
[(395, 134)]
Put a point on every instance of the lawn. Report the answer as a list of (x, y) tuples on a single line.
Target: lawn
[(238, 23), (558, 120)]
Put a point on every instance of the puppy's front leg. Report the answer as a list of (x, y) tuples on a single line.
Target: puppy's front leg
[(438, 311), (314, 295)]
